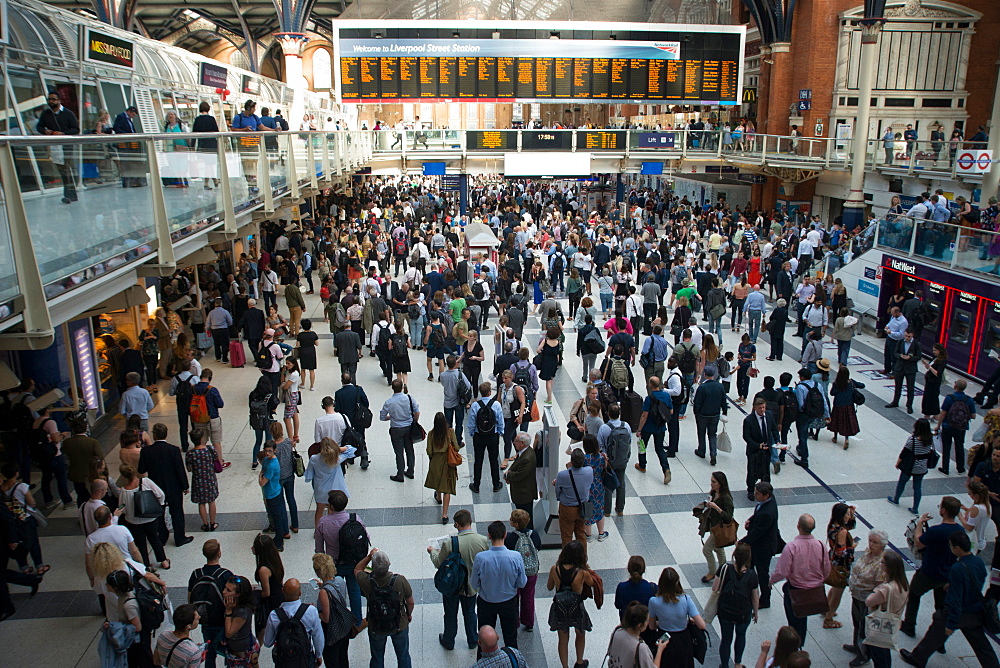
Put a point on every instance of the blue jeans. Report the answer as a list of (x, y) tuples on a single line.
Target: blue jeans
[(843, 351), (918, 481), (400, 644), (557, 280), (276, 510), (802, 429), (346, 571), (456, 418), (727, 639), (688, 379), (754, 317), (260, 437), (715, 328), (658, 448), (212, 635), (451, 605), (58, 467), (288, 490), (607, 301), (417, 331)]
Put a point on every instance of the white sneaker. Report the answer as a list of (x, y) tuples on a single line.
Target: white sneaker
[(602, 537)]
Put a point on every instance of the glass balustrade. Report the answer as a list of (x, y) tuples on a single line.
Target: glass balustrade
[(8, 274), (959, 246)]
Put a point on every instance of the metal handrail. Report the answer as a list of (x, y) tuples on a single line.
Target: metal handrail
[(141, 136)]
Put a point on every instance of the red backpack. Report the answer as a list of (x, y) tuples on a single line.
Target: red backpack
[(199, 406)]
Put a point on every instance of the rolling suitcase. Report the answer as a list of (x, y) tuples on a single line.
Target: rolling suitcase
[(236, 356), (632, 409)]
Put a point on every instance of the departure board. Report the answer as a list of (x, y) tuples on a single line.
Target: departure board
[(491, 140), (669, 63), (601, 140)]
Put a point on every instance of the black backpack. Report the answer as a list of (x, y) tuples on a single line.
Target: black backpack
[(478, 291), (522, 377), (413, 311), (791, 405), (353, 539), (437, 338), (16, 416), (41, 449), (293, 646), (152, 602), (814, 405), (688, 361), (659, 410), (453, 572), (260, 412), (464, 390), (206, 596), (399, 345), (486, 421), (557, 262), (264, 358), (385, 607), (384, 336), (183, 391)]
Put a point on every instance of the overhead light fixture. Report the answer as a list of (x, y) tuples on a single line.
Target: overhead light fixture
[(378, 35), (554, 35), (455, 34)]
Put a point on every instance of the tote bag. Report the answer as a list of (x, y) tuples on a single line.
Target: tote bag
[(882, 626)]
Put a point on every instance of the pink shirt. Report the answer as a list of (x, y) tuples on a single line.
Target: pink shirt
[(804, 563)]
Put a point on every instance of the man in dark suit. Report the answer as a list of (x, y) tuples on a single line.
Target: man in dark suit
[(58, 120), (162, 461), (347, 400), (129, 155), (252, 324), (521, 477), (762, 537), (908, 356), (759, 433), (784, 287), (347, 348), (776, 330)]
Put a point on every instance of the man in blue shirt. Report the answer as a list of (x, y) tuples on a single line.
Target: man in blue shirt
[(652, 425), (400, 411), (486, 431), (572, 491), (136, 400), (754, 306), (217, 322), (292, 590), (953, 422), (895, 330), (963, 609), (269, 480), (498, 573), (803, 421), (938, 559)]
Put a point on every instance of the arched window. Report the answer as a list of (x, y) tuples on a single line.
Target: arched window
[(322, 71)]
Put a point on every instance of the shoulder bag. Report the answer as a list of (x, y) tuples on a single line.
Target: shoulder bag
[(808, 602), (724, 533), (454, 458), (712, 607), (586, 507), (882, 627), (700, 641), (417, 433), (145, 505)]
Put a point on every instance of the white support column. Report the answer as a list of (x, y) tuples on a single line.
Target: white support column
[(225, 189), (291, 48), (311, 157), (854, 207), (165, 245), (264, 178), (991, 179)]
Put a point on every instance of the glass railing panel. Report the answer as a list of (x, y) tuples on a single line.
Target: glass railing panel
[(189, 176), (276, 148), (935, 241), (242, 163), (978, 250), (896, 232), (86, 218)]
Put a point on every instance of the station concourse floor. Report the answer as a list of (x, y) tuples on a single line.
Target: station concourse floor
[(402, 517)]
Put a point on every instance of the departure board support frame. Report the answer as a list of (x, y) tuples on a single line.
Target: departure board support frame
[(410, 61)]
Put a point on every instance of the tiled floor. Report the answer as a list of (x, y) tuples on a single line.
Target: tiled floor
[(658, 522)]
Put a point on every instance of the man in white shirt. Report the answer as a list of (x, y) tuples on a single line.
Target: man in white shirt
[(329, 425), (697, 333), (268, 280), (112, 533), (919, 210), (633, 311)]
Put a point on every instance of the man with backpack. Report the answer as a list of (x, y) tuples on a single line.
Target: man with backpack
[(656, 410), (381, 336), (399, 249), (295, 631), (453, 561), (457, 397), (204, 409), (344, 537), (205, 587), (390, 608), (956, 414), (687, 354), (498, 573), (486, 425), (618, 448), (484, 296), (525, 377), (812, 405), (268, 360)]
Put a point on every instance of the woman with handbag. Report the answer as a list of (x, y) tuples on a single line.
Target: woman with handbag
[(892, 595), (738, 603), (597, 460), (716, 516), (17, 495), (673, 611), (844, 413), (838, 536), (576, 427), (867, 572), (627, 647), (135, 511), (912, 462), (442, 470), (201, 461), (746, 356), (568, 576), (326, 474), (290, 395), (930, 402)]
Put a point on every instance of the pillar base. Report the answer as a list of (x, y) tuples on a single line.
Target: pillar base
[(853, 216)]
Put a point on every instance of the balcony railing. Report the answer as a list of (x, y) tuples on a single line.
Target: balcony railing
[(91, 204), (958, 246)]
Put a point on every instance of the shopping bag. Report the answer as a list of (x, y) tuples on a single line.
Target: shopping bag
[(723, 443)]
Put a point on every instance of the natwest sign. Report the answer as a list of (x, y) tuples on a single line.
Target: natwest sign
[(900, 265)]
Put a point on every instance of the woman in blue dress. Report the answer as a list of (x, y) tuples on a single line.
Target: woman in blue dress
[(594, 458)]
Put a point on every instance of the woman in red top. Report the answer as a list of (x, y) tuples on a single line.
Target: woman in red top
[(754, 277)]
